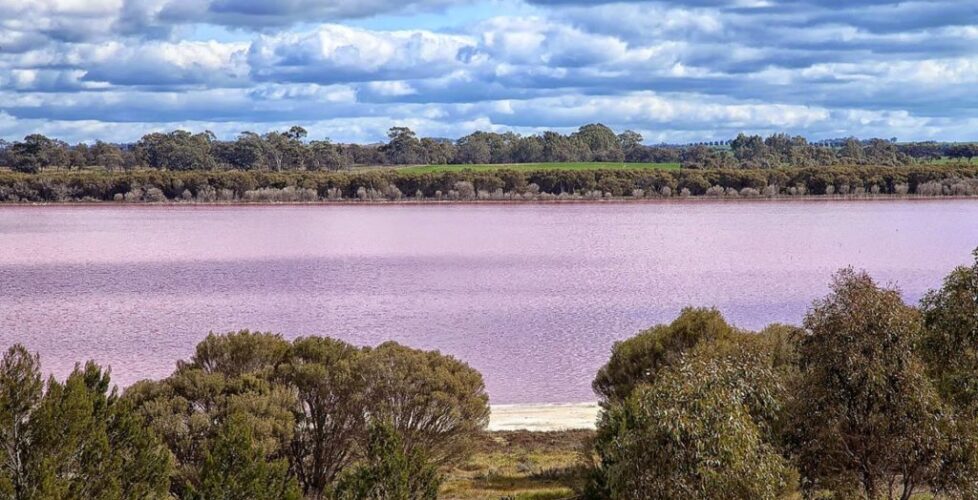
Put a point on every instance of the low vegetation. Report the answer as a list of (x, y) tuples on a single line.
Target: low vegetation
[(486, 185), (250, 415), (524, 167), (870, 398), (519, 464)]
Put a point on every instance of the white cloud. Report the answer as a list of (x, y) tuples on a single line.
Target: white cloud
[(336, 53), (393, 88)]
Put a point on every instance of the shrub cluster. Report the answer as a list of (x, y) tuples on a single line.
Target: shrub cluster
[(499, 185), (872, 398), (250, 415)]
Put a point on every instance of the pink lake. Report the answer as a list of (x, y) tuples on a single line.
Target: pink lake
[(533, 296)]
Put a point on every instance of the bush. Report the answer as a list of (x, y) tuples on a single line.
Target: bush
[(76, 439), (435, 403), (309, 403), (234, 467), (389, 471), (303, 186), (691, 434), (638, 359)]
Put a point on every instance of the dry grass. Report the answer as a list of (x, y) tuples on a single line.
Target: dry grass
[(521, 465)]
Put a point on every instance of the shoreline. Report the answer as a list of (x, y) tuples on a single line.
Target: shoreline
[(612, 201), (543, 417)]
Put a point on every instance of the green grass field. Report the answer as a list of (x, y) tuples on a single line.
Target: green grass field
[(952, 161), (542, 166)]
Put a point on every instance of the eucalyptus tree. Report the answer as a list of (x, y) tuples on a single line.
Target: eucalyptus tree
[(639, 359), (700, 430), (602, 143), (330, 382), (950, 339), (694, 409), (868, 420), (177, 150), (403, 148)]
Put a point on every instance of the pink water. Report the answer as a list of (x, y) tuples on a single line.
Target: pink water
[(532, 296)]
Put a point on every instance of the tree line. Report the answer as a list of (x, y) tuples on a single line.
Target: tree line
[(871, 398), (500, 185), (248, 416), (291, 150)]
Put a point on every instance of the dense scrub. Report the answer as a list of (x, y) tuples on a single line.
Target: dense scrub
[(873, 398), (249, 416), (503, 184)]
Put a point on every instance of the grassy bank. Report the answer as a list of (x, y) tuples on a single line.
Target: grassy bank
[(522, 465)]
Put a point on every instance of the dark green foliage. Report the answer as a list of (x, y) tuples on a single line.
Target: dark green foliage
[(76, 440), (177, 150), (307, 404), (390, 470), (235, 468), (435, 403), (291, 150), (966, 151), (227, 377), (331, 386), (950, 342), (204, 186), (639, 359), (601, 142), (867, 419)]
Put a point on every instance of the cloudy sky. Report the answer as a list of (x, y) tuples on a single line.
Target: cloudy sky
[(676, 71)]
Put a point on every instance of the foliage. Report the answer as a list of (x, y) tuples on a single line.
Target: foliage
[(234, 468), (434, 402), (225, 378), (694, 409), (307, 404), (950, 342), (539, 166), (500, 184), (867, 420), (73, 440), (639, 359), (328, 378), (290, 150), (871, 400), (390, 470), (692, 434)]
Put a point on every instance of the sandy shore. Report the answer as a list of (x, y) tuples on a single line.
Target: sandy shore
[(543, 417)]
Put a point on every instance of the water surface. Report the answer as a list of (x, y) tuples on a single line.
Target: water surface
[(531, 295)]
